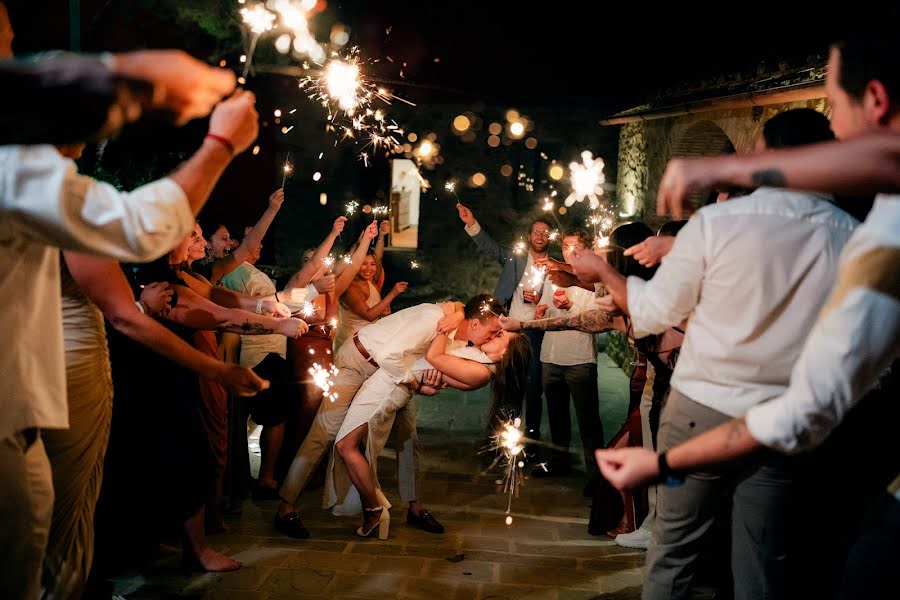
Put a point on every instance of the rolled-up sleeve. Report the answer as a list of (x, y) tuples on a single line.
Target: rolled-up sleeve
[(668, 298), (843, 357), (51, 203)]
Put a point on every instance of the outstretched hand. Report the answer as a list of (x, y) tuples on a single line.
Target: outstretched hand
[(627, 468)]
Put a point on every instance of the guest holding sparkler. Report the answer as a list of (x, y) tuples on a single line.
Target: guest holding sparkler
[(362, 304), (223, 256), (517, 291)]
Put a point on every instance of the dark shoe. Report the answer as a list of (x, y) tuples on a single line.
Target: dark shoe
[(544, 470), (291, 525), (424, 520)]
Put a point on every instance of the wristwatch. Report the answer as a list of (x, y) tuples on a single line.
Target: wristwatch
[(667, 476)]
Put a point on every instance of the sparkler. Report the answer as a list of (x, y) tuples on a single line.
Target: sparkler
[(587, 179), (450, 186), (486, 309), (413, 265), (510, 441), (287, 168), (520, 247), (348, 260), (328, 261), (536, 277), (258, 20), (308, 310), (342, 89), (322, 378), (351, 207)]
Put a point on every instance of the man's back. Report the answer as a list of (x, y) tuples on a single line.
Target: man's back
[(756, 271)]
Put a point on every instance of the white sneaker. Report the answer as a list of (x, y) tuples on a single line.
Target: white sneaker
[(639, 538)]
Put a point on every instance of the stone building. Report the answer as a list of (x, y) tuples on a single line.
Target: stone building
[(723, 116)]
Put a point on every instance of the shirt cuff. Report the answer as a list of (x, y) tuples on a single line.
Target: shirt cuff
[(635, 287), (770, 426), (473, 229)]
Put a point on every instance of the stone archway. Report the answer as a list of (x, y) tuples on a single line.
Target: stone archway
[(701, 138)]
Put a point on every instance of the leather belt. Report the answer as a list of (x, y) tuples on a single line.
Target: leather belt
[(362, 350)]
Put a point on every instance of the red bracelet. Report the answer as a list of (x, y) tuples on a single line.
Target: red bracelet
[(222, 140)]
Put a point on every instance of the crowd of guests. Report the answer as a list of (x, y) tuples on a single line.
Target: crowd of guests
[(757, 325)]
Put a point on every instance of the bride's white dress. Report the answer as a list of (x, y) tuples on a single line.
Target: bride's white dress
[(376, 403)]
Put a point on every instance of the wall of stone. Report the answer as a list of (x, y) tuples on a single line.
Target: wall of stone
[(645, 147)]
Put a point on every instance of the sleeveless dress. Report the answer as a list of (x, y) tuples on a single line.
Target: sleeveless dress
[(76, 454), (350, 322)]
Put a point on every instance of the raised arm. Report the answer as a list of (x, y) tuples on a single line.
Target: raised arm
[(104, 283), (485, 243), (251, 241), (344, 278), (52, 203), (308, 272), (384, 228)]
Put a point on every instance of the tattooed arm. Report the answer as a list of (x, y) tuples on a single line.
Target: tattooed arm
[(589, 321), (865, 165), (195, 311)]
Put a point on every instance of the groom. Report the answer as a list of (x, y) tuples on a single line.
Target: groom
[(392, 345)]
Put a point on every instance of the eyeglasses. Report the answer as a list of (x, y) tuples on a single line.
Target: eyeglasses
[(543, 234)]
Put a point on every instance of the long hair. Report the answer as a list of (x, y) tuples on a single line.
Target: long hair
[(508, 381)]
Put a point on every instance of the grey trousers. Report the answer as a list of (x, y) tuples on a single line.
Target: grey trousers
[(580, 383), (685, 513), (26, 506)]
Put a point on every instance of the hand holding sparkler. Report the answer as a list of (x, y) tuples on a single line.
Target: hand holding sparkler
[(182, 85), (276, 199), (384, 228), (235, 122), (370, 232), (338, 226), (510, 324), (292, 328), (465, 215), (324, 284)]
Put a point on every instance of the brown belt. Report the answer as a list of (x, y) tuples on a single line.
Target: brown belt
[(362, 350)]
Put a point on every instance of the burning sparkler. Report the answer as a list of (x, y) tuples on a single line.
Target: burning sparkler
[(308, 310), (343, 90), (520, 247), (328, 261), (258, 21), (510, 441), (587, 180), (413, 265), (450, 186), (323, 379), (351, 207), (287, 168)]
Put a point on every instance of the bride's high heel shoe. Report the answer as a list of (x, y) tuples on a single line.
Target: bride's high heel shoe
[(382, 524)]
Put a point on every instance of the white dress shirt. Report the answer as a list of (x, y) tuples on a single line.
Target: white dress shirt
[(518, 308), (250, 281), (396, 341), (571, 347), (752, 274), (853, 342), (45, 205)]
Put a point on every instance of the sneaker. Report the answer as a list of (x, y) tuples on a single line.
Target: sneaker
[(639, 539)]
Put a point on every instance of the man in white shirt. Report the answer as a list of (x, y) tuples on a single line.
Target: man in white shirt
[(389, 346), (518, 289), (751, 274), (569, 361), (857, 335), (44, 206)]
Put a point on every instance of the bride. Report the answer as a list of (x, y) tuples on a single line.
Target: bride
[(502, 362)]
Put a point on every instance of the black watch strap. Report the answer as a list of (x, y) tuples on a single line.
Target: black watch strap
[(667, 476)]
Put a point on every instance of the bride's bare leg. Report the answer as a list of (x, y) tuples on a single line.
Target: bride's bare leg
[(359, 469)]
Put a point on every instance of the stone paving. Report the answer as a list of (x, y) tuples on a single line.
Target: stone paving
[(545, 553)]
